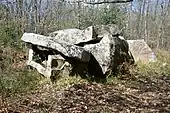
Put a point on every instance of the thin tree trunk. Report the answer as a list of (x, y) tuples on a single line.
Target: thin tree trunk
[(36, 15), (142, 31), (129, 21), (138, 20), (161, 29), (156, 7), (147, 23)]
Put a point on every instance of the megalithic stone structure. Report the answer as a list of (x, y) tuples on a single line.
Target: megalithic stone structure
[(95, 50)]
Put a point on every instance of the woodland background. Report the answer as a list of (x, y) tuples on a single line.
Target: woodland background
[(140, 19), (141, 88)]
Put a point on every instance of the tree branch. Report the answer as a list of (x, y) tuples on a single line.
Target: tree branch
[(108, 2)]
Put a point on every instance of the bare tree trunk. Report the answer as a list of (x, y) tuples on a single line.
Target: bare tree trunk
[(108, 2), (161, 29), (36, 15), (79, 10), (147, 23), (142, 27), (39, 11), (165, 25), (156, 7), (138, 20), (154, 19), (129, 29), (44, 31)]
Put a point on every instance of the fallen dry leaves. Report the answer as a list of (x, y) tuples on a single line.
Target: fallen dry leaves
[(144, 94)]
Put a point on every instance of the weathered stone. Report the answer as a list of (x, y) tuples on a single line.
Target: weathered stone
[(102, 51), (141, 51), (65, 48), (110, 52), (94, 51), (102, 30), (73, 36)]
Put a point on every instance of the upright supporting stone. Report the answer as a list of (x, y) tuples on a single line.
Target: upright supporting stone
[(30, 56), (47, 69)]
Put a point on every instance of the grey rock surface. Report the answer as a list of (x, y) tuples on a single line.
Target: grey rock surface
[(73, 36), (68, 50), (100, 47), (110, 52), (141, 51)]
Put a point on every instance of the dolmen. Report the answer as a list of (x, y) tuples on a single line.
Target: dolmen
[(92, 52)]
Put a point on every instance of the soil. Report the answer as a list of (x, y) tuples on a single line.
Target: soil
[(143, 94)]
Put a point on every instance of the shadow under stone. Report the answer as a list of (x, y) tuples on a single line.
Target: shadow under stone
[(87, 70)]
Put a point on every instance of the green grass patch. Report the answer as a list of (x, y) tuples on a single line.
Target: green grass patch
[(160, 67), (67, 81), (18, 82), (153, 69)]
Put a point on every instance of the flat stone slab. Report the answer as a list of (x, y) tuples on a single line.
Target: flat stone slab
[(141, 51), (68, 50)]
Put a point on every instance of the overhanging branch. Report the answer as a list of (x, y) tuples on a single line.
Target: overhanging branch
[(108, 2)]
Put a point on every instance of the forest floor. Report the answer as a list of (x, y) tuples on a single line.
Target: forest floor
[(146, 92)]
